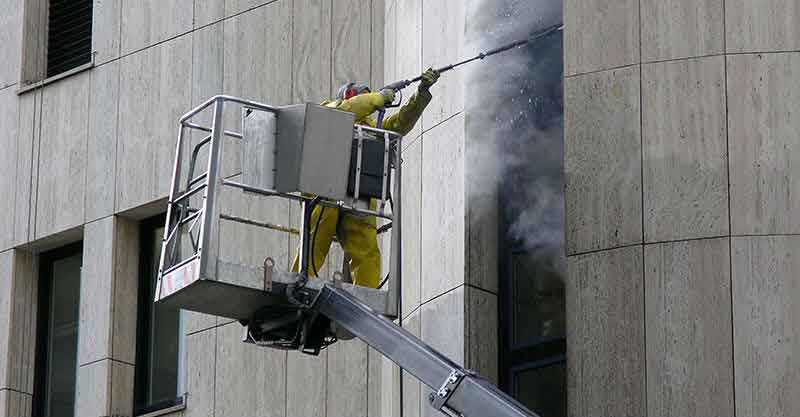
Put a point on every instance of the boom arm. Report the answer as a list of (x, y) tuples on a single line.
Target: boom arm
[(457, 391)]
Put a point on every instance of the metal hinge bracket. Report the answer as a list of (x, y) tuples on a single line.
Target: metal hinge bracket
[(439, 398)]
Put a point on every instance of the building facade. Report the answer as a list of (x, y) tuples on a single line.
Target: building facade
[(680, 165), (86, 162)]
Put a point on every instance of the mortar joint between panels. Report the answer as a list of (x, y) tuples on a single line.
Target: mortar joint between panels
[(107, 358), (14, 390), (465, 286), (607, 249), (648, 62)]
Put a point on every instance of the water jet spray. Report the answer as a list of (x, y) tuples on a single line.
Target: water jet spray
[(398, 86)]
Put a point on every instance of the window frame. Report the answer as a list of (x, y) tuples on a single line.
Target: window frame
[(34, 46), (147, 259), (528, 354), (43, 337)]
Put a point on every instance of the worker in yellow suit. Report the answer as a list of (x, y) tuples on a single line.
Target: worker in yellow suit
[(358, 234)]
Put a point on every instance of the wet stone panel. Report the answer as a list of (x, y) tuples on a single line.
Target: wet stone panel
[(148, 22), (689, 330), (63, 159), (764, 150), (766, 317), (681, 28), (762, 26), (605, 334), (602, 160), (600, 34), (685, 150)]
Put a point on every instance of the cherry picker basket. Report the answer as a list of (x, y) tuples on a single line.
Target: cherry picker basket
[(229, 239)]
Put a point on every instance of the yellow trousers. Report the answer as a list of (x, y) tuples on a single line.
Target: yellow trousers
[(358, 237)]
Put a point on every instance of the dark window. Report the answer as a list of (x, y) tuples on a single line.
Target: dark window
[(69, 35), (160, 342), (534, 337), (57, 338), (532, 297)]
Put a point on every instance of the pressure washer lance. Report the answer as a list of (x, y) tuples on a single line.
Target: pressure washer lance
[(398, 86)]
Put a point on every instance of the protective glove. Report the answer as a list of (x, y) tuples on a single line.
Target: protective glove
[(388, 96), (429, 78)]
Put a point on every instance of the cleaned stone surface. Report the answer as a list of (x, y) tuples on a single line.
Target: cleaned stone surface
[(306, 384), (256, 69), (19, 373), (443, 327), (390, 61), (62, 161), (15, 404), (106, 26), (483, 232), (311, 51), (408, 50), (104, 388), (762, 26), (600, 34), (126, 276), (9, 115), (233, 7), (685, 156), (482, 334), (347, 374), (443, 26), (681, 28), (689, 330), (412, 234), (390, 393), (443, 208), (374, 382), (109, 282), (208, 11), (766, 325), (605, 319), (97, 287), (378, 40), (764, 151), (443, 324), (152, 79), (6, 301), (11, 35), (148, 22), (412, 388), (200, 380), (196, 322), (602, 160), (351, 41), (27, 165), (250, 380), (102, 141)]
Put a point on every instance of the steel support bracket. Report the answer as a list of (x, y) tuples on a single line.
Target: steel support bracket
[(446, 390)]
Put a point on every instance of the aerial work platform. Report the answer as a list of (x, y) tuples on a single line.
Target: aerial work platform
[(229, 237)]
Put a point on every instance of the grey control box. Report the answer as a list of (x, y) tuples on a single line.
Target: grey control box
[(300, 148)]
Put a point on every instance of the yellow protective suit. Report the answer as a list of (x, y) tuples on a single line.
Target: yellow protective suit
[(358, 234)]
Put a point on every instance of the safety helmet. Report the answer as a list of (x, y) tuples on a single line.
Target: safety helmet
[(351, 89)]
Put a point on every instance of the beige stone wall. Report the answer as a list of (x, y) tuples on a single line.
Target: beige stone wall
[(87, 157), (449, 296), (681, 159)]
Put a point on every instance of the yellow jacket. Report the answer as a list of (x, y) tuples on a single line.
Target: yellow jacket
[(364, 105)]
